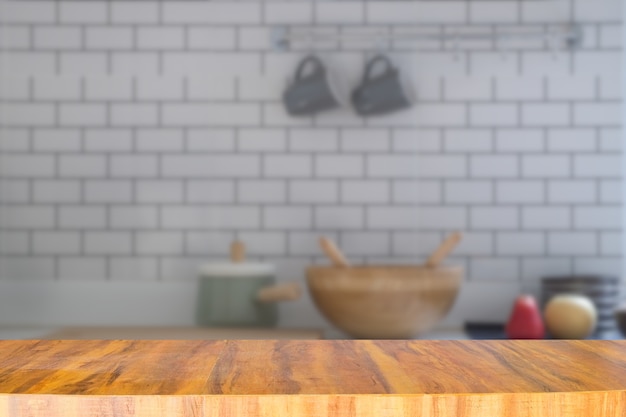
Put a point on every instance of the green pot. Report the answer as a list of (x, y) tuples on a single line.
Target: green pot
[(227, 295)]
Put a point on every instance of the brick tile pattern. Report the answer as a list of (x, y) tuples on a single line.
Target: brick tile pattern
[(139, 138)]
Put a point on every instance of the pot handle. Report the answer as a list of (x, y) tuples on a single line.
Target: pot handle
[(282, 292)]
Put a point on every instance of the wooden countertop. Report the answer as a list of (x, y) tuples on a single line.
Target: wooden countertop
[(312, 378)]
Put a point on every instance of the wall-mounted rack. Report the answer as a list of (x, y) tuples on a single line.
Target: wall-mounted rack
[(571, 35)]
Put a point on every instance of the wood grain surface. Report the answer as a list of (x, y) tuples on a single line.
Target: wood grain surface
[(312, 378)]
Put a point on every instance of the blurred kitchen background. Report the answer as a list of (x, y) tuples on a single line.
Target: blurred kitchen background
[(138, 139)]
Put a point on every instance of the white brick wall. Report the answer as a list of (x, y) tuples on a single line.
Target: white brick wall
[(210, 191), (107, 191), (108, 38), (210, 140), (572, 243), (572, 191), (520, 192), (339, 166), (160, 38), (339, 218), (400, 12), (15, 191), (159, 243), (287, 166), (501, 269), (229, 217), (313, 192), (571, 140), (159, 140), (56, 191), (286, 12), (528, 243), (264, 243), (253, 191), (146, 136), (107, 243), (83, 114), (494, 166), (56, 243), (15, 88), (83, 63), (493, 115), (34, 268), (27, 165), (208, 38), (37, 12), (600, 11), (362, 191), (287, 218), (130, 166), (365, 243), (128, 63), (468, 192), (79, 12), (56, 140), (348, 12), (203, 243), (207, 166), (82, 166), (133, 217), (28, 114), (14, 243), (364, 140), (429, 218), (208, 13), (460, 140), (519, 88), (134, 269), (488, 12), (495, 218), (546, 166), (546, 218), (79, 217), (57, 38), (57, 88), (134, 12), (83, 269), (545, 114), (605, 218), (108, 88), (159, 191)]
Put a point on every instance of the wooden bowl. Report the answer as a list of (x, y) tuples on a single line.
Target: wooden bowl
[(384, 302)]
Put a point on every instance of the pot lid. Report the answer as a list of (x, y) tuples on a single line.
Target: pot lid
[(236, 270), (237, 267)]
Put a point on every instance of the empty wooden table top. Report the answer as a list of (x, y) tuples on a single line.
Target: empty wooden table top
[(312, 378)]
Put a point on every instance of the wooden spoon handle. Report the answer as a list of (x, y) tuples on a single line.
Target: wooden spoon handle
[(237, 251), (444, 250), (333, 252)]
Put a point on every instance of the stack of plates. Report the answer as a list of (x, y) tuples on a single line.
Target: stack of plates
[(602, 290)]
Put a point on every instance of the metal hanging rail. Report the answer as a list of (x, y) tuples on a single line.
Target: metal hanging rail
[(282, 37)]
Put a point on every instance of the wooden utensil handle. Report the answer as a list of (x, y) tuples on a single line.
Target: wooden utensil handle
[(444, 250), (237, 251), (332, 251), (282, 292)]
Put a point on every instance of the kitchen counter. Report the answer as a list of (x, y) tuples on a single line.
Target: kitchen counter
[(312, 378)]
